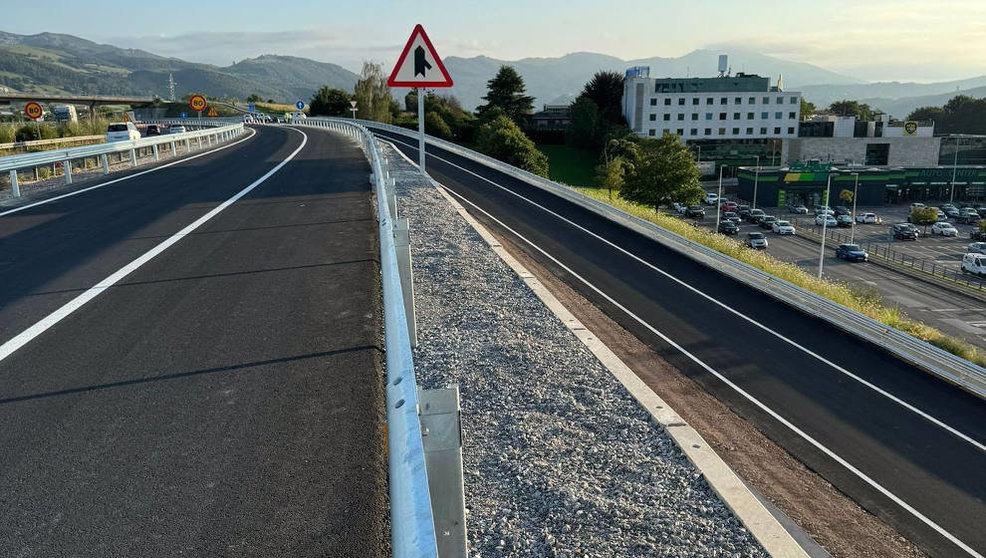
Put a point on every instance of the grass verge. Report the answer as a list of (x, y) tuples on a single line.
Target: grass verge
[(864, 301), (569, 165)]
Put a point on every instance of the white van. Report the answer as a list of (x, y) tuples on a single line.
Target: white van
[(122, 131), (974, 263)]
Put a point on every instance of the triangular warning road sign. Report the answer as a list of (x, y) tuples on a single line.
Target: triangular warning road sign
[(419, 64), (212, 112)]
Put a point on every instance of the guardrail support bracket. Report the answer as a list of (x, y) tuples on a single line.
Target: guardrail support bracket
[(106, 163), (441, 437), (13, 183), (67, 167), (402, 245)]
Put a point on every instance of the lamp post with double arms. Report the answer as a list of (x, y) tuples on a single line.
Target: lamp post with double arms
[(855, 190), (825, 221), (756, 182)]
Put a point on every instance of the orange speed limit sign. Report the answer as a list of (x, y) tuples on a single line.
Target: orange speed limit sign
[(33, 110), (197, 103)]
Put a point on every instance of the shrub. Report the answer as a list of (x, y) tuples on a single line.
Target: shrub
[(44, 173)]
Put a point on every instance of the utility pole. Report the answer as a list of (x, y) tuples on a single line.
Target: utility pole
[(955, 166), (825, 222), (719, 200), (171, 87), (756, 182), (855, 190)]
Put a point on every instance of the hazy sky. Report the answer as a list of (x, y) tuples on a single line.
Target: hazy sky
[(907, 40)]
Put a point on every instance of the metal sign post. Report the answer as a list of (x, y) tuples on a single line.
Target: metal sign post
[(352, 107), (421, 130)]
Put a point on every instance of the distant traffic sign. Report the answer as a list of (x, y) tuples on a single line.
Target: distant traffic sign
[(197, 103), (425, 69), (252, 107), (212, 112), (300, 105), (33, 110), (183, 115)]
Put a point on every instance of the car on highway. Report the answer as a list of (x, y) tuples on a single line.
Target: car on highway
[(767, 222), (798, 209), (944, 228), (730, 216), (728, 227), (851, 252), (756, 240), (152, 130), (825, 220), (868, 218), (711, 199), (695, 212), (905, 231), (121, 131), (177, 129), (844, 220), (755, 215), (979, 247), (783, 227), (974, 263)]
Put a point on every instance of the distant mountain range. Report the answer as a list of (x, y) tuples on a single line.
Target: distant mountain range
[(57, 63)]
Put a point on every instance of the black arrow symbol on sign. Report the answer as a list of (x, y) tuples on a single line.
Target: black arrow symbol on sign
[(420, 64)]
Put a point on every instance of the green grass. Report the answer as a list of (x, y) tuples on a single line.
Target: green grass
[(864, 301), (569, 165)]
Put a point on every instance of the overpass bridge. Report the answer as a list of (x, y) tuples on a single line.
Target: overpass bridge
[(89, 100)]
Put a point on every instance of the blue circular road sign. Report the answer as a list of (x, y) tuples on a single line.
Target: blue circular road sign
[(300, 105)]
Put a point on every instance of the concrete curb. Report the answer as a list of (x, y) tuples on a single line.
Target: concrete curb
[(728, 486)]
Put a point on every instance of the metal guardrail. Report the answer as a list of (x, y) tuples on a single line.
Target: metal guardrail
[(412, 521), (925, 356), (221, 131), (56, 141)]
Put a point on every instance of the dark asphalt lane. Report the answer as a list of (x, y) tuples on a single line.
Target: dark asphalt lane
[(931, 469), (224, 399)]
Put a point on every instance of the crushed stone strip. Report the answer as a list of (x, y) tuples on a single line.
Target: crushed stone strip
[(559, 459)]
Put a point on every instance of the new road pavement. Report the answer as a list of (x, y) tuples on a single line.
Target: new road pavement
[(190, 362), (907, 446)]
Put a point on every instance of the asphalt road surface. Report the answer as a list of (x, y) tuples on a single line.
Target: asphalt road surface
[(918, 439), (221, 399)]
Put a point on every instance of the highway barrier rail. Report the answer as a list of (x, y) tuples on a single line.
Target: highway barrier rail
[(213, 131), (925, 356), (412, 520)]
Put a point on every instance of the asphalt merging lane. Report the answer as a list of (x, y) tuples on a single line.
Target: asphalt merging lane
[(225, 397), (935, 470)]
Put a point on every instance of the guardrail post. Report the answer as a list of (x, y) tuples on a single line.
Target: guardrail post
[(402, 245), (133, 157), (157, 156), (67, 167), (390, 186), (174, 150), (441, 437), (106, 163), (13, 183), (188, 146)]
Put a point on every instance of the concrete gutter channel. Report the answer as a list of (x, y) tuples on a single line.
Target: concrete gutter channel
[(778, 535)]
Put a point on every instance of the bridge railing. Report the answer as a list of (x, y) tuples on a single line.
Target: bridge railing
[(212, 132), (923, 355), (412, 521)]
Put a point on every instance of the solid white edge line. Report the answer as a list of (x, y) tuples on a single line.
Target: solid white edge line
[(71, 306), (955, 432), (128, 177), (804, 435)]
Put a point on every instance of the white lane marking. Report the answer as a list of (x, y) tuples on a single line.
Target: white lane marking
[(128, 177), (40, 327), (835, 457), (881, 391)]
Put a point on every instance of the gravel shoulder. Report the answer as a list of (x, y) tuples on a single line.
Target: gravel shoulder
[(559, 458)]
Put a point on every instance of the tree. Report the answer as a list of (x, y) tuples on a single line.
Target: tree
[(435, 126), (329, 102), (605, 89), (924, 216), (845, 196), (254, 98), (502, 139), (807, 109), (372, 95), (506, 91), (609, 175), (665, 171), (583, 129), (861, 111)]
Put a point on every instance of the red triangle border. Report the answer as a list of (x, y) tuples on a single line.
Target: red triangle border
[(392, 80)]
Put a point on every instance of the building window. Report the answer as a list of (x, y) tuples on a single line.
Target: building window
[(722, 116), (749, 116), (653, 102), (681, 132), (681, 116), (766, 100), (667, 117), (736, 116), (794, 100), (667, 101), (694, 116), (709, 101), (681, 101), (790, 129), (665, 132), (653, 117), (735, 131), (708, 116), (694, 131), (749, 131), (650, 132), (778, 115), (777, 129), (751, 101), (722, 131), (763, 131), (792, 115), (708, 131), (763, 116), (723, 101), (694, 100), (738, 100)]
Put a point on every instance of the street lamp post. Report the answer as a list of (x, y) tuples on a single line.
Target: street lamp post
[(855, 189), (719, 199), (756, 182), (825, 222), (955, 166)]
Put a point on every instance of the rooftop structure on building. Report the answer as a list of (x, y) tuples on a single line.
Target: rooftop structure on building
[(553, 117)]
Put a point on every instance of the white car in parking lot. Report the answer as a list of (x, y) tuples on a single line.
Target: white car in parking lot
[(867, 218), (783, 227), (828, 220), (944, 228)]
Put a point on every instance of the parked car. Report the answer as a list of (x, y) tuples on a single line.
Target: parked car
[(728, 206), (914, 206), (825, 220), (730, 216), (968, 215), (868, 218), (851, 252), (177, 129), (951, 211), (728, 227), (695, 212), (942, 216), (679, 207), (944, 228), (755, 215), (711, 199), (756, 240), (905, 231), (841, 210), (152, 130), (767, 222), (819, 209), (121, 131), (843, 220), (974, 263), (979, 247), (743, 210), (800, 210), (783, 227)]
